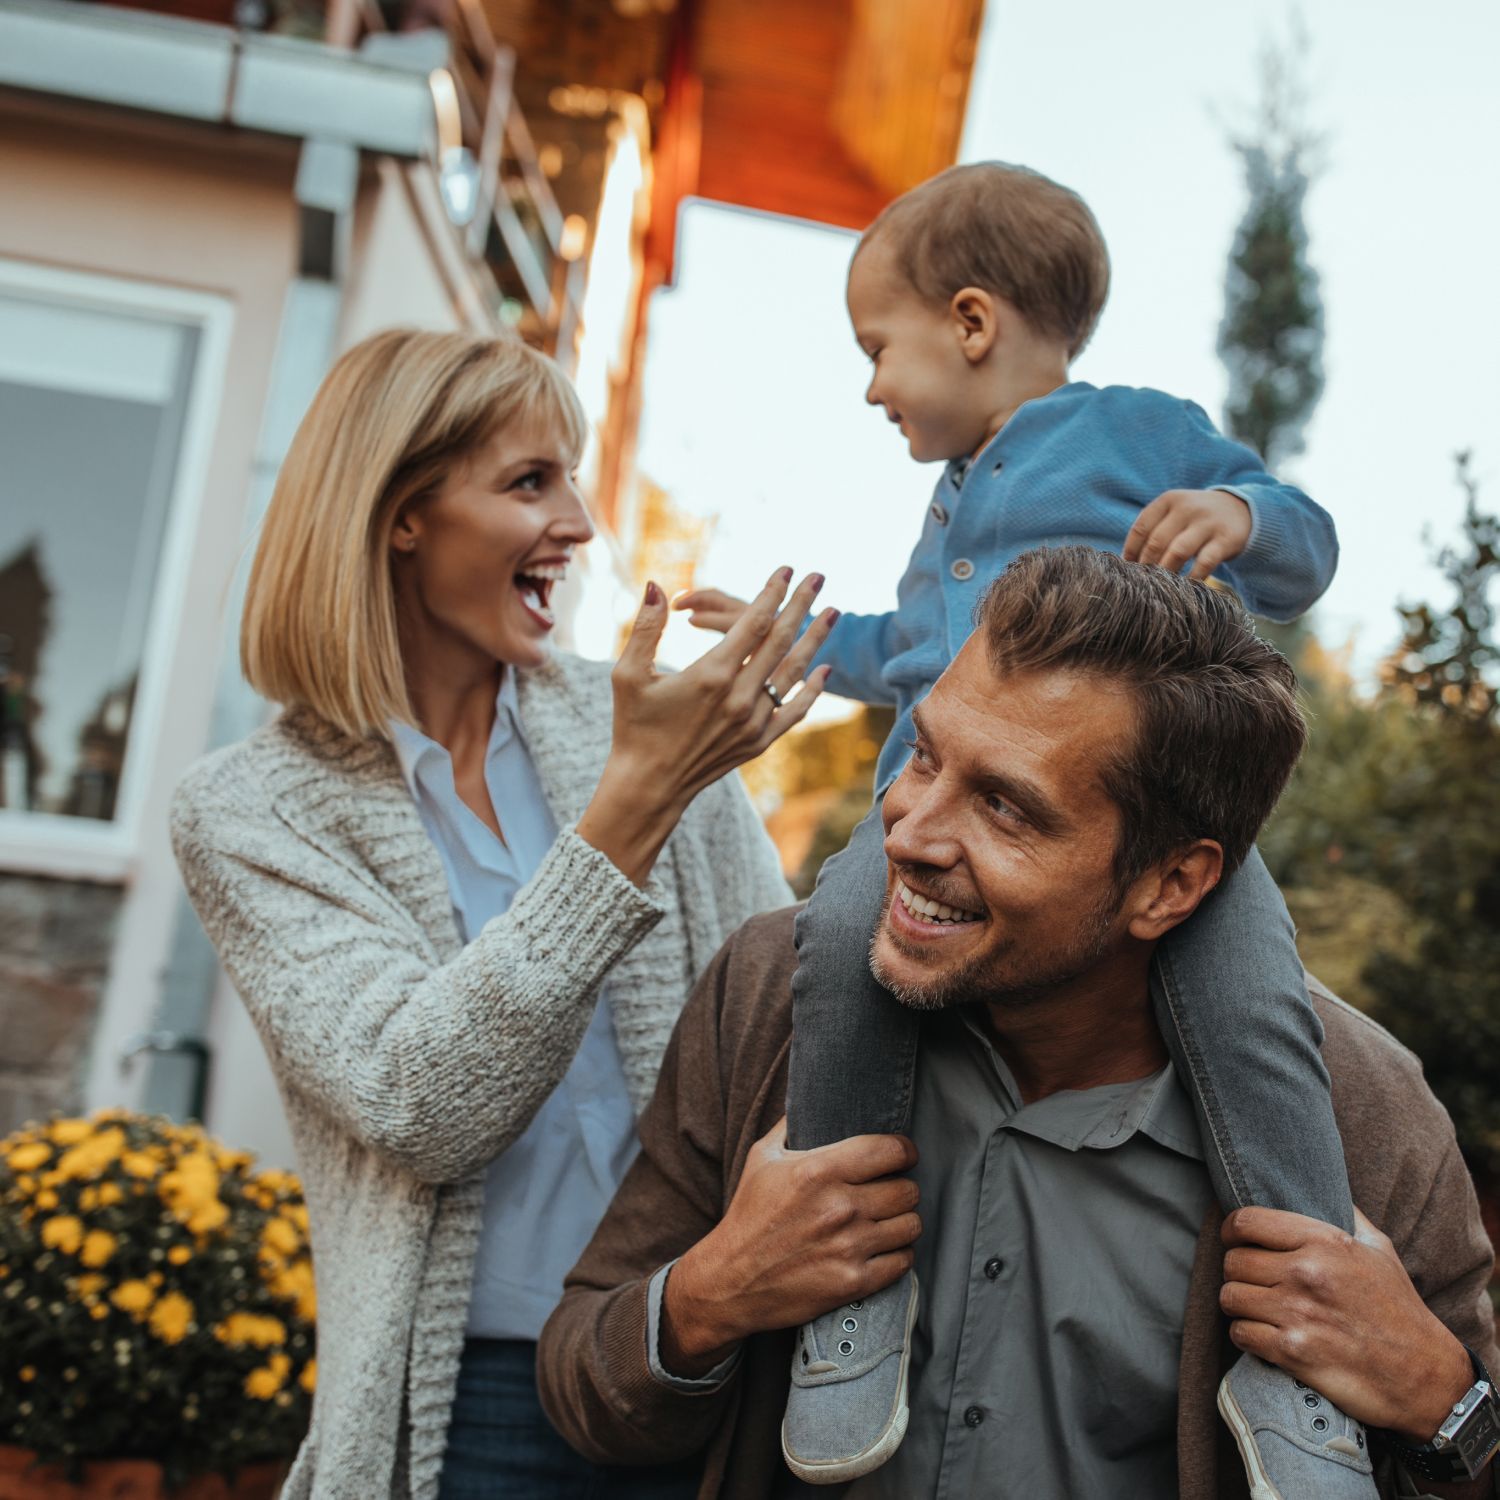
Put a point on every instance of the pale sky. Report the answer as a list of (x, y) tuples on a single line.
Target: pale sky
[(753, 402)]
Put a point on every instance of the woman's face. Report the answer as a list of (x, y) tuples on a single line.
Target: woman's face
[(475, 564)]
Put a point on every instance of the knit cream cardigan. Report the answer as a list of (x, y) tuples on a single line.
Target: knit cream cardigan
[(406, 1061)]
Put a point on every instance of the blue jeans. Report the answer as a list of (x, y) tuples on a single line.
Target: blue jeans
[(502, 1447), (1230, 1000)]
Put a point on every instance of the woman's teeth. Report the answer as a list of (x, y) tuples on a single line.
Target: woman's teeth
[(926, 910), (535, 586)]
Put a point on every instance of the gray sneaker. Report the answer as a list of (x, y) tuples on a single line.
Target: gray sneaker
[(847, 1413), (1296, 1444)]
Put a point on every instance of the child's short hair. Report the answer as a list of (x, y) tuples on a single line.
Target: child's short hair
[(1007, 230)]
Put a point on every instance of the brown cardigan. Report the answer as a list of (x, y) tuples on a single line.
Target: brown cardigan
[(723, 1086)]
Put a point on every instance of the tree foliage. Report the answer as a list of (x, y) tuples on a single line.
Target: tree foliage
[(1271, 338)]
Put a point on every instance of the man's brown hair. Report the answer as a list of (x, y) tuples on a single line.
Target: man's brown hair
[(1006, 230), (1218, 727)]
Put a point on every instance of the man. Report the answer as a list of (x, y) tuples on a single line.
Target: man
[(1074, 1342)]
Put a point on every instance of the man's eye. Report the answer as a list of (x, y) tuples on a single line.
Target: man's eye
[(1002, 809), (918, 750)]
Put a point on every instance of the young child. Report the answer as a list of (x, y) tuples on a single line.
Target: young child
[(972, 295)]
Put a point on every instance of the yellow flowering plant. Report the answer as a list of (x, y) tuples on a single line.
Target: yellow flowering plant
[(156, 1298)]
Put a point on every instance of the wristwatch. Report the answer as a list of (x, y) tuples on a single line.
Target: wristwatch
[(1466, 1441)]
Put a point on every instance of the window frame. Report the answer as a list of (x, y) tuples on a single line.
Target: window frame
[(39, 843)]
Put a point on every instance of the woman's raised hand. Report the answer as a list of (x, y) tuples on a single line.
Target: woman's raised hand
[(676, 733)]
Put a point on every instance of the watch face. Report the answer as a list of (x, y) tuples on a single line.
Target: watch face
[(1476, 1435)]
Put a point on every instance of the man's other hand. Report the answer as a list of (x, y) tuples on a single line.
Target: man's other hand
[(806, 1231), (1339, 1313), (1211, 526)]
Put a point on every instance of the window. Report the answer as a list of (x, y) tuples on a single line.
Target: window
[(104, 401)]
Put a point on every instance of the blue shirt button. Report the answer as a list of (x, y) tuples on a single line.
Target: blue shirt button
[(939, 513), (962, 569)]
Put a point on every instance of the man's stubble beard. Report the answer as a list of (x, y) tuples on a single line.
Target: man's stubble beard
[(984, 977)]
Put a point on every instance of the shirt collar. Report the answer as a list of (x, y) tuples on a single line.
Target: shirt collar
[(414, 749), (1103, 1118)]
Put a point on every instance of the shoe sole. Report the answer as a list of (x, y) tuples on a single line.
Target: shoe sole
[(1261, 1486), (840, 1470)]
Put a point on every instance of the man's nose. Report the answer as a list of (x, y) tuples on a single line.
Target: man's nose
[(919, 832)]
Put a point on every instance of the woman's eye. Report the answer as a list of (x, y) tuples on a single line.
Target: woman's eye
[(532, 480)]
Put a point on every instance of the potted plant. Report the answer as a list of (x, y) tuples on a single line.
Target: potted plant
[(156, 1314)]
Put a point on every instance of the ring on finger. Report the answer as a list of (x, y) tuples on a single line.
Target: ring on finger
[(769, 688)]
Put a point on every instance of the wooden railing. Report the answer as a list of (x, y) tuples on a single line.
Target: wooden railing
[(516, 228)]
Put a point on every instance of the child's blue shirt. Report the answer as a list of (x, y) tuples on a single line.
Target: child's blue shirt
[(1076, 465)]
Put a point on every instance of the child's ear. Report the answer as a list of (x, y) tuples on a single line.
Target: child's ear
[(976, 322)]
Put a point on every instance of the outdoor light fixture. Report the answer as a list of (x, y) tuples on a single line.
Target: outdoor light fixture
[(458, 171)]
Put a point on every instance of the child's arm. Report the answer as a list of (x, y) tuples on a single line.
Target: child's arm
[(858, 648), (1279, 564)]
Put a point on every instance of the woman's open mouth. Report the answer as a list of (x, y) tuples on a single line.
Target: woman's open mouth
[(534, 584)]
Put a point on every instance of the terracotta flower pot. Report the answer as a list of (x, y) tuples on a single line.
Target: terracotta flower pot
[(127, 1479)]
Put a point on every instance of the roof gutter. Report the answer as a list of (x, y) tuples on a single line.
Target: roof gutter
[(197, 71)]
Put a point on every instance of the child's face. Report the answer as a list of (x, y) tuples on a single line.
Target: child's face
[(921, 376)]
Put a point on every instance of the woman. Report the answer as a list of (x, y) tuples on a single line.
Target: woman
[(422, 873)]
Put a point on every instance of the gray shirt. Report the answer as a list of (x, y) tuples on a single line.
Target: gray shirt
[(1057, 1242)]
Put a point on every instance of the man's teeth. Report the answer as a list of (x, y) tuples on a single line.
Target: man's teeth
[(933, 911)]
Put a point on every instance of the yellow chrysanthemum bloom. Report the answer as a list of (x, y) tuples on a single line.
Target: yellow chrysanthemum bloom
[(28, 1373), (263, 1383), (46, 1200), (297, 1213), (179, 1255), (308, 1379), (64, 1233), (88, 1286), (281, 1237), (139, 1164), (28, 1157), (90, 1157), (109, 1193), (254, 1329), (171, 1317), (307, 1306), (133, 1296), (98, 1310), (98, 1246), (293, 1281), (69, 1132), (192, 1189)]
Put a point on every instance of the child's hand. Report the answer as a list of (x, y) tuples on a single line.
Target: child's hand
[(1210, 525), (711, 609)]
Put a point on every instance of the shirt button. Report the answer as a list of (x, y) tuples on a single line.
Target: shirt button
[(939, 513), (993, 1267), (962, 569), (973, 1417)]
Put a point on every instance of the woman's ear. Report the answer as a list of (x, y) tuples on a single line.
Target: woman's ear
[(407, 530), (976, 322)]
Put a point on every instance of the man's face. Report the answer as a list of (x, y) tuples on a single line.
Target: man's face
[(920, 376), (1000, 821)]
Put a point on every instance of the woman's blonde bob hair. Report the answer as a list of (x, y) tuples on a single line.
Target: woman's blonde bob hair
[(394, 418)]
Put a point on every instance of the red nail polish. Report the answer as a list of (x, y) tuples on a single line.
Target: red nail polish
[(784, 574), (833, 617), (818, 581), (653, 594)]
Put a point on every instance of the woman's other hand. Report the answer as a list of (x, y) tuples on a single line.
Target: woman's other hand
[(711, 609), (676, 733)]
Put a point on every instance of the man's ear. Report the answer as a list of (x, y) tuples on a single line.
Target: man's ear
[(976, 321), (1167, 896)]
